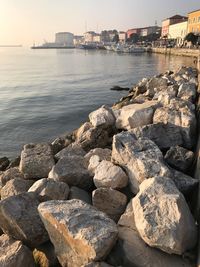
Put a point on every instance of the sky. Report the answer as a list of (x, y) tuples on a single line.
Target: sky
[(33, 21)]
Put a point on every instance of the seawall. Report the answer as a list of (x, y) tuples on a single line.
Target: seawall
[(176, 51)]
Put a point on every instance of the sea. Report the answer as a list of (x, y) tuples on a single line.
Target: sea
[(47, 93)]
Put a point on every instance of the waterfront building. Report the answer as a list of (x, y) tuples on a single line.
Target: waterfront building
[(108, 36), (78, 39), (64, 39), (149, 30), (170, 21), (178, 32), (133, 31), (194, 21), (88, 36), (122, 37), (97, 38)]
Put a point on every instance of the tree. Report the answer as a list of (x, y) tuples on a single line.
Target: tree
[(134, 38), (116, 38), (191, 37)]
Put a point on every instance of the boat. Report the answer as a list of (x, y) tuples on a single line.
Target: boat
[(136, 49)]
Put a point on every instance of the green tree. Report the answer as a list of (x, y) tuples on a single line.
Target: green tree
[(116, 38), (191, 37)]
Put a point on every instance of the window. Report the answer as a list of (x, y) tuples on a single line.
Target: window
[(199, 19), (194, 20)]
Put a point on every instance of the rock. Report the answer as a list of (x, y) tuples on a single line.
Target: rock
[(15, 187), (97, 264), (12, 173), (130, 250), (179, 158), (163, 217), (109, 175), (140, 158), (163, 135), (4, 162), (102, 117), (73, 171), (14, 163), (19, 219), (80, 233), (136, 115), (90, 137), (188, 91), (110, 201), (179, 113), (104, 154), (36, 161), (61, 142), (127, 219), (14, 254), (71, 150), (45, 256), (77, 193), (48, 189), (119, 88), (183, 182), (93, 164)]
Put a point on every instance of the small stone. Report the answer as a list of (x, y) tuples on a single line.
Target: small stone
[(48, 189), (94, 163), (103, 153), (77, 193), (109, 175), (14, 163), (79, 232), (12, 173), (36, 161), (110, 201), (102, 117)]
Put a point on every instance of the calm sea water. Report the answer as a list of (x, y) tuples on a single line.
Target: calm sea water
[(45, 93)]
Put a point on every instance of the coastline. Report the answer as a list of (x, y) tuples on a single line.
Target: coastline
[(177, 51)]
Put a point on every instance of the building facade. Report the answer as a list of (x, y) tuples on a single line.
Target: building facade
[(194, 22), (64, 39), (88, 36), (170, 21), (178, 32), (133, 31), (122, 37)]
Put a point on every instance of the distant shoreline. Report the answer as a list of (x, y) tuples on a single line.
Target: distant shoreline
[(10, 45)]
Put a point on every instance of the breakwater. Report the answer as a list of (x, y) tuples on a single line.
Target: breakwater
[(176, 51), (118, 191)]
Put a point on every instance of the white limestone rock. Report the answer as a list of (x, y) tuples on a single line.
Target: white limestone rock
[(79, 232), (102, 153), (102, 117)]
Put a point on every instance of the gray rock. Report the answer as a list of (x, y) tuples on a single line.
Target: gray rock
[(102, 117), (187, 91), (163, 218), (71, 150), (90, 137), (136, 115), (48, 189), (77, 193), (179, 158), (4, 162), (73, 171), (61, 142), (14, 254), (163, 135), (102, 153), (80, 233), (110, 201), (14, 163), (109, 175), (93, 164), (36, 161), (12, 173), (140, 158), (15, 187), (19, 219)]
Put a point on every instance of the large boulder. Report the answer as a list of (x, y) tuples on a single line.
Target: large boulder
[(102, 153), (80, 233), (19, 218), (90, 137), (180, 113), (73, 171), (48, 189), (110, 201), (136, 115), (71, 150), (164, 135), (179, 158), (36, 161), (15, 187), (140, 158), (14, 254), (102, 117), (163, 218), (109, 175)]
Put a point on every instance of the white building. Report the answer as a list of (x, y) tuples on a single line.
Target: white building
[(178, 32), (88, 37), (64, 39), (122, 37)]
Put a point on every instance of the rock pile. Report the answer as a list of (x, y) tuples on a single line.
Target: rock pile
[(118, 191)]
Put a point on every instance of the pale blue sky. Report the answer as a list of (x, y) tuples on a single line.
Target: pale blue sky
[(25, 21)]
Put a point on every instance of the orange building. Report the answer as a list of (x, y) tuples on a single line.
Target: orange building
[(194, 21)]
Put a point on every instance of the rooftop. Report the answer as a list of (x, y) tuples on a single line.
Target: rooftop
[(194, 11), (177, 17)]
